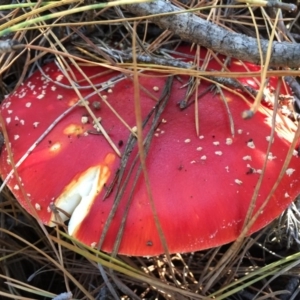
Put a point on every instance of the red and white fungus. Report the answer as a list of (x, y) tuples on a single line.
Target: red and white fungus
[(201, 185)]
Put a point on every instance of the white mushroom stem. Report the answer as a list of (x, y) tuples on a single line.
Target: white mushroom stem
[(80, 192)]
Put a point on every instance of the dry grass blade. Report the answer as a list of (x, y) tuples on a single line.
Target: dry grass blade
[(136, 274)]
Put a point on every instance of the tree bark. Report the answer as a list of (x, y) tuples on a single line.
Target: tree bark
[(193, 29)]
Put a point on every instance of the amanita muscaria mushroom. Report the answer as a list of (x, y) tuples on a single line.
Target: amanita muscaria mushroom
[(201, 185)]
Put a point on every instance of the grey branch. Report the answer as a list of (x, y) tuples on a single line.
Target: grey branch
[(9, 46), (282, 5), (193, 29)]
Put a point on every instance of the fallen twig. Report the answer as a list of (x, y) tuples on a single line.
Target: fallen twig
[(196, 30)]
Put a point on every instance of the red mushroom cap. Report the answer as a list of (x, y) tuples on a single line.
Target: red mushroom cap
[(201, 185)]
